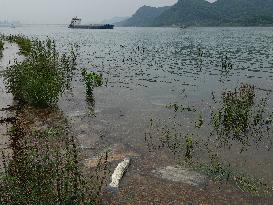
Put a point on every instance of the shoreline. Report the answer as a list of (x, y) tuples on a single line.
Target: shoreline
[(139, 179)]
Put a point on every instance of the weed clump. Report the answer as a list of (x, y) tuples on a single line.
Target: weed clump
[(233, 117), (42, 77), (240, 117)]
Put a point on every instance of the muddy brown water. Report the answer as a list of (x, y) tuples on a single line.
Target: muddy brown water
[(147, 69)]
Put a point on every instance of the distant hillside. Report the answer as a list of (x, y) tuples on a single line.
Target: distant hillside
[(145, 16), (203, 13), (114, 20), (244, 12), (188, 12)]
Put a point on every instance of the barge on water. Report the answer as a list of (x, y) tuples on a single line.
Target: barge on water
[(76, 24)]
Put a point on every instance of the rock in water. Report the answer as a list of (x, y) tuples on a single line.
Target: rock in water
[(181, 174), (119, 172)]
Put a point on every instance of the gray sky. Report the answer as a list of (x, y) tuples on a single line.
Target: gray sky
[(61, 11)]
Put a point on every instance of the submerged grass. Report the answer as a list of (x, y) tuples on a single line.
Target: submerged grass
[(233, 118), (241, 116), (246, 183), (238, 119)]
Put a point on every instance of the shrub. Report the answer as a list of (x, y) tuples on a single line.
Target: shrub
[(92, 80), (43, 76)]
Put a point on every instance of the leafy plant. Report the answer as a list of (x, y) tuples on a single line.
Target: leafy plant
[(92, 80), (42, 77)]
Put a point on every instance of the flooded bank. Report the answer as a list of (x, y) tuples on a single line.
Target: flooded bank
[(10, 54), (167, 78)]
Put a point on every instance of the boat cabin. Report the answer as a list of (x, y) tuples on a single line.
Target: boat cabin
[(75, 21)]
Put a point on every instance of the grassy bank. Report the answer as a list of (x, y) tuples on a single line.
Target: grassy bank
[(45, 165)]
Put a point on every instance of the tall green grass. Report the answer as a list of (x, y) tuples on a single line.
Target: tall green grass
[(45, 169)]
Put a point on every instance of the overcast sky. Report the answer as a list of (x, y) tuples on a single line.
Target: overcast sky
[(61, 11)]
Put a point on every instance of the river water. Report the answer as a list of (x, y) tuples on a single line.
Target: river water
[(147, 69)]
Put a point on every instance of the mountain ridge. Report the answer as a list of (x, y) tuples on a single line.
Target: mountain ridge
[(203, 13)]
